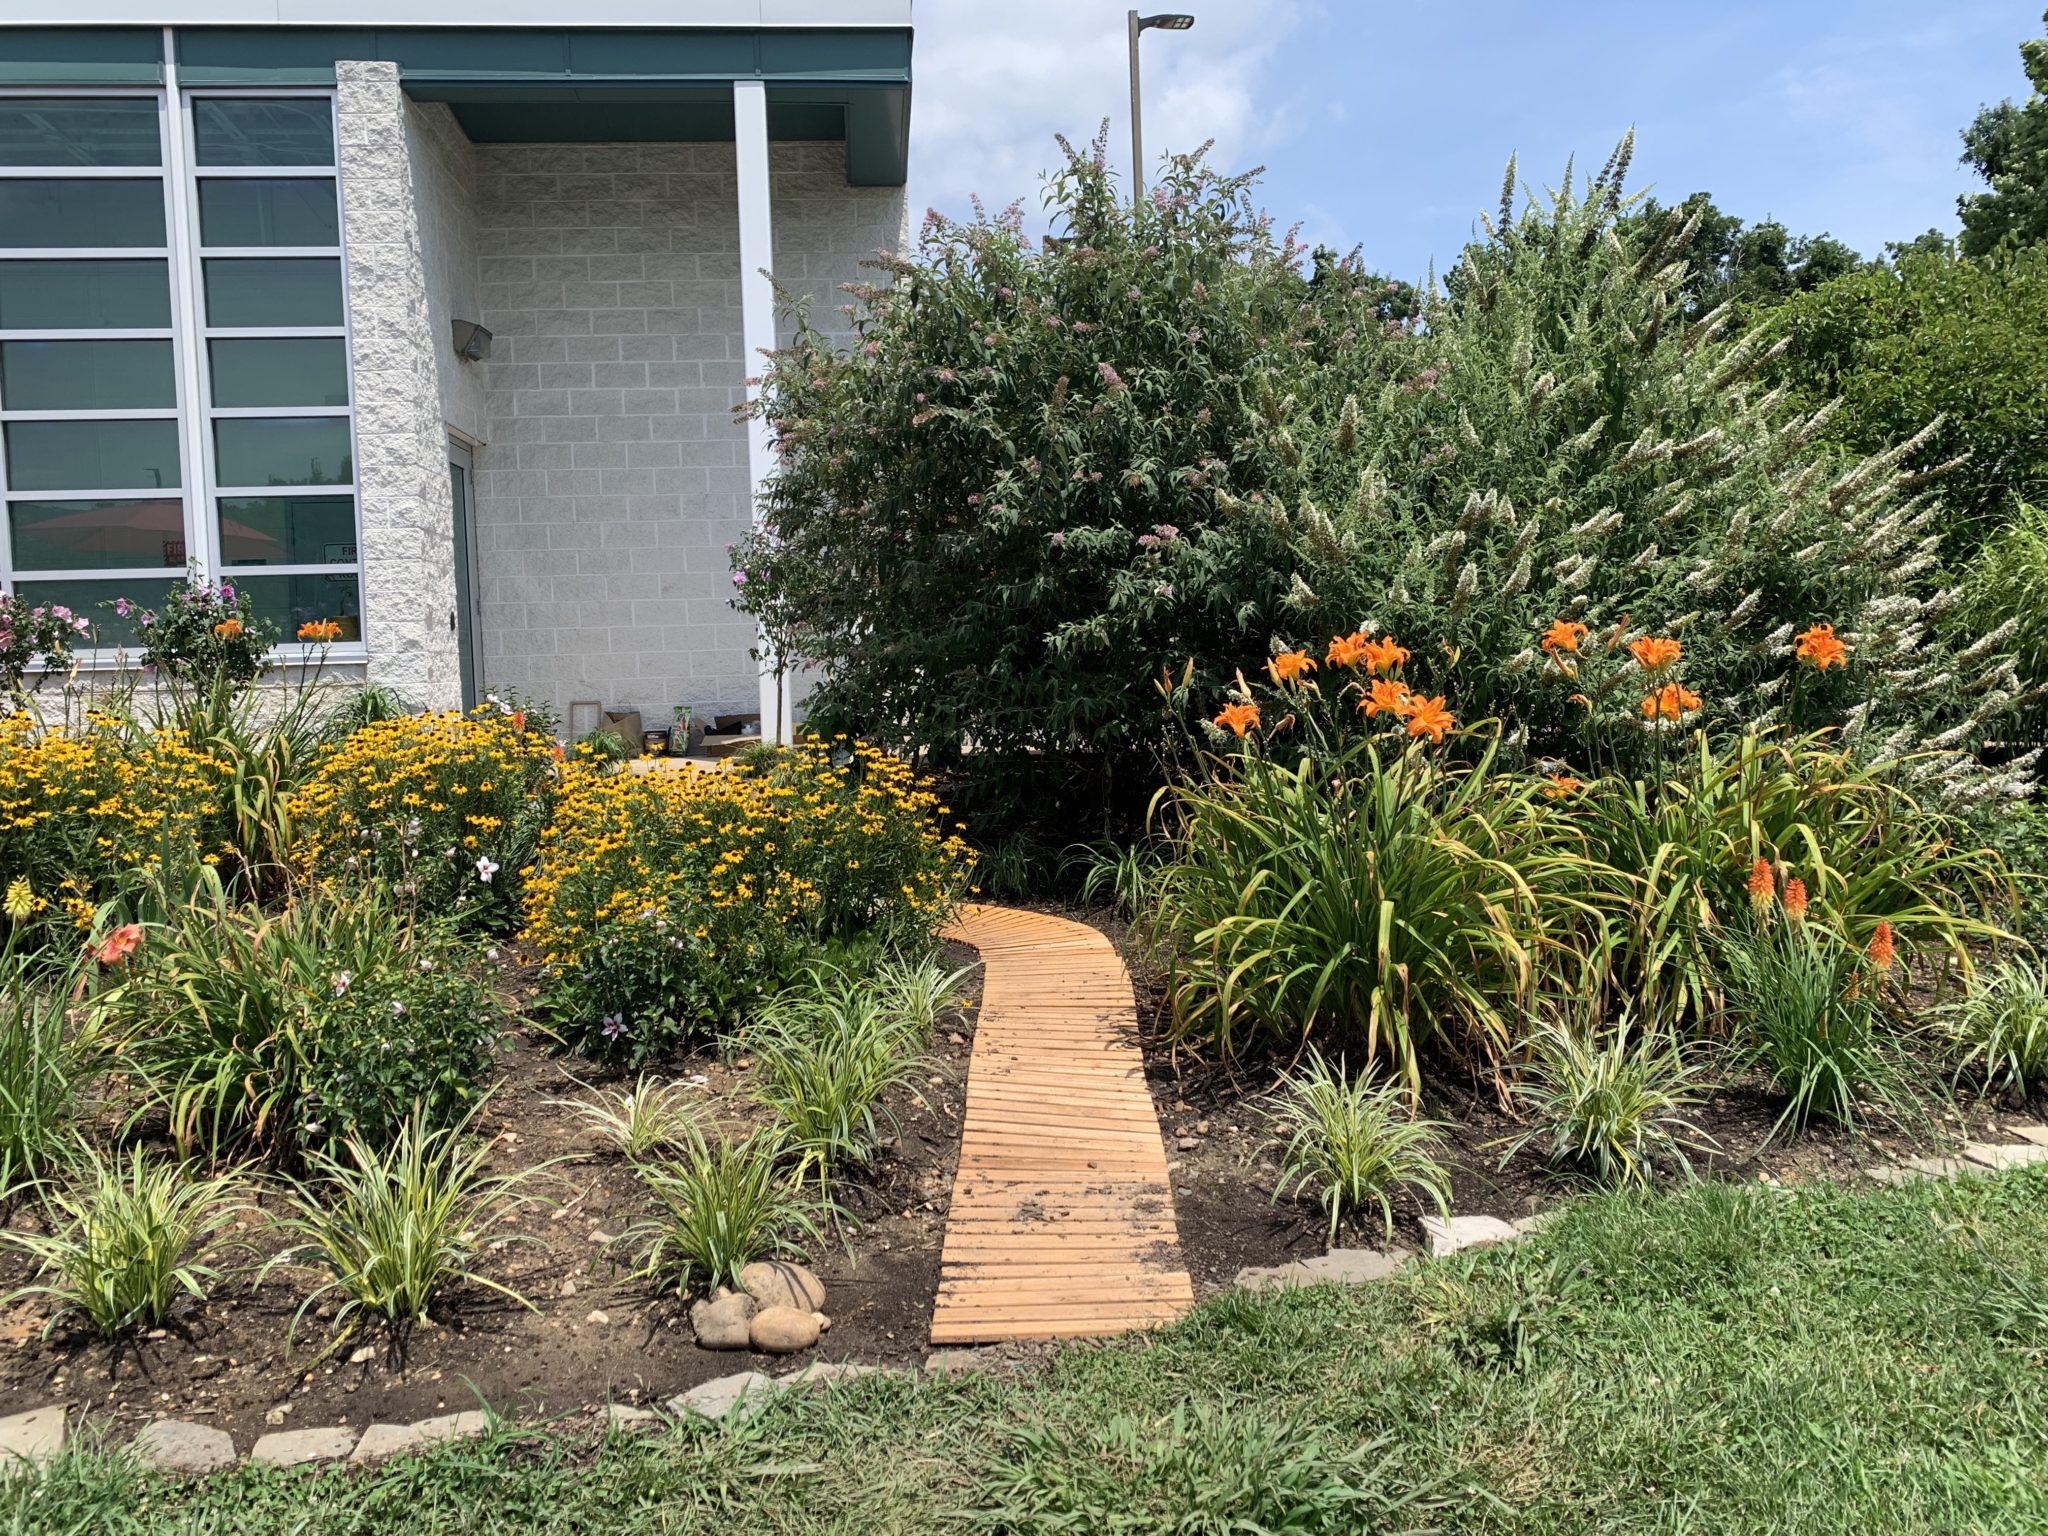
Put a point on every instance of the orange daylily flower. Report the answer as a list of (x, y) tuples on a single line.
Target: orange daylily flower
[(1289, 666), (1653, 653), (1239, 718), (1763, 885), (1428, 717), (1882, 950), (227, 629), (1671, 701), (320, 631), (1348, 650), (1562, 786), (1385, 656), (1795, 898), (1820, 646), (1563, 635), (1387, 698)]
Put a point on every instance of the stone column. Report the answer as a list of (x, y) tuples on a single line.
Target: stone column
[(408, 509)]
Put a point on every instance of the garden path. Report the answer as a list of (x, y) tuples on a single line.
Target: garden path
[(1062, 1219)]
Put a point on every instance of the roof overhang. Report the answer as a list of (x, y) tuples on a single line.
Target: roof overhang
[(536, 84)]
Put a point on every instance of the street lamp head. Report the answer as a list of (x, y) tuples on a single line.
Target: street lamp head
[(1176, 21)]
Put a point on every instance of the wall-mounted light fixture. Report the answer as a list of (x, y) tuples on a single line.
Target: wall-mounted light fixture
[(472, 341)]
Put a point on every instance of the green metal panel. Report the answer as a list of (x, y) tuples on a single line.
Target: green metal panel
[(81, 56)]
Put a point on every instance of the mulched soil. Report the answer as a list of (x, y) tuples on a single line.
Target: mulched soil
[(597, 1334)]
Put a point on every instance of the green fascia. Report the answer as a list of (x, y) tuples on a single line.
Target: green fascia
[(81, 56)]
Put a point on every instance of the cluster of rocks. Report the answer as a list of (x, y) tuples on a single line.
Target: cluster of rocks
[(779, 1309)]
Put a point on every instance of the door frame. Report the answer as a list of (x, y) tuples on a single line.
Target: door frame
[(468, 613)]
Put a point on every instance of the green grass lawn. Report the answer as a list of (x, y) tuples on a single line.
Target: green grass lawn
[(1727, 1359)]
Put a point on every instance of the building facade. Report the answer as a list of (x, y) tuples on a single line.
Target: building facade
[(436, 332)]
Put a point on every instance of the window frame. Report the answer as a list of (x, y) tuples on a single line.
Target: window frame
[(199, 492)]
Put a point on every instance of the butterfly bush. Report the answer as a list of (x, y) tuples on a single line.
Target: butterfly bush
[(1046, 474)]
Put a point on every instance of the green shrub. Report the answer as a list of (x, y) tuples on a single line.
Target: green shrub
[(126, 1239), (309, 1027), (722, 1206), (1806, 1008), (824, 1055), (395, 1227), (1609, 1108), (667, 904), (1352, 1144), (1046, 473), (2004, 591), (2001, 1026), (205, 636)]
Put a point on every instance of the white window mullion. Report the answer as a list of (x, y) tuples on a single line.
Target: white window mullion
[(187, 303)]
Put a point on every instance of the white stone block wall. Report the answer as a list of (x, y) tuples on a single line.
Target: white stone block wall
[(614, 473), (444, 184), (401, 444)]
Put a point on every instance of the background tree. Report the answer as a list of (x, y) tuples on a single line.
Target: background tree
[(2008, 146), (1749, 266)]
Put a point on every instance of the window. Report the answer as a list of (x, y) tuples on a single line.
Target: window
[(174, 379)]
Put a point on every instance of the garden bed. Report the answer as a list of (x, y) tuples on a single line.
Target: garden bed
[(230, 1364)]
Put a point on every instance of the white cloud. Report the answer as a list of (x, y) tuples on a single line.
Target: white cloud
[(995, 80)]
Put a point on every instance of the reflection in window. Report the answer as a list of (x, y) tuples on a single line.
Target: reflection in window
[(282, 450), (98, 535)]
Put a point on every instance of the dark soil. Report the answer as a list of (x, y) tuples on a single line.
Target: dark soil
[(597, 1334)]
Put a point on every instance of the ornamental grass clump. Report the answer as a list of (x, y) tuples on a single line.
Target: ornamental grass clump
[(126, 1238), (723, 1204), (1352, 1144), (394, 1228), (47, 1062), (663, 904), (1611, 1108), (2001, 1027), (825, 1053), (640, 1120), (446, 808)]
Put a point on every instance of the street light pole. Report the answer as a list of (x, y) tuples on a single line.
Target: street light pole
[(1172, 22)]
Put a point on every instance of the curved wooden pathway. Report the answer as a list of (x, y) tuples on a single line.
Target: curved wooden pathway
[(1062, 1217)]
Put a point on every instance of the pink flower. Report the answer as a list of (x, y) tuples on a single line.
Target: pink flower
[(1109, 376), (739, 578), (118, 945)]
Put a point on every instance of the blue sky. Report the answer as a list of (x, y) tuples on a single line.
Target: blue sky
[(1388, 127)]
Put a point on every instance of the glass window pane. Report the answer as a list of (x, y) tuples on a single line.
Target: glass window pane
[(84, 295), (39, 213), (98, 535), (56, 130), (248, 210), (288, 530), (282, 450), (94, 598), (280, 370), (92, 455), (289, 601), (86, 375), (242, 131), (273, 290)]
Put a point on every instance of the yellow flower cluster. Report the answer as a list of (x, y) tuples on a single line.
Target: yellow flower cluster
[(659, 879), (435, 798), (79, 808)]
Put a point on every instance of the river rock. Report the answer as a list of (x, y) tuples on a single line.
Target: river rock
[(779, 1283), (783, 1330), (722, 1322)]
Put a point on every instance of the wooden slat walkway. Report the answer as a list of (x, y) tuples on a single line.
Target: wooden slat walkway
[(1062, 1217)]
